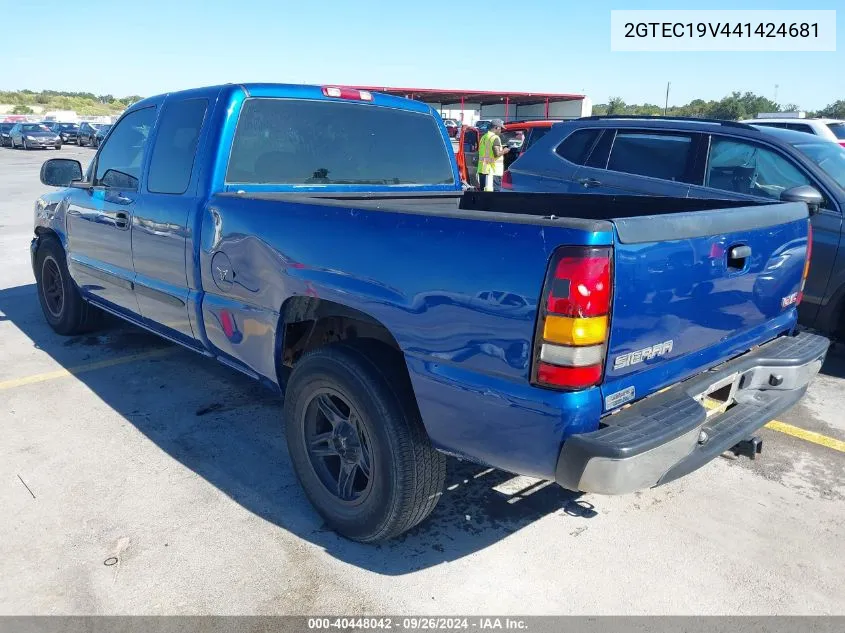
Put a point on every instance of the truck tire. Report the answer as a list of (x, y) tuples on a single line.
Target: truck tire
[(64, 308), (358, 446)]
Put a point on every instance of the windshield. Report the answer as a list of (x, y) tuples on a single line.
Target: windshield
[(303, 142), (5, 127), (34, 127), (829, 156), (838, 129), (103, 128), (68, 126)]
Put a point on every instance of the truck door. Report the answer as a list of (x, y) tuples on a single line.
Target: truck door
[(468, 155), (159, 235), (642, 162), (99, 219)]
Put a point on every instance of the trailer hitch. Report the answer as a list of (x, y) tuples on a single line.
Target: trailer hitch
[(750, 448)]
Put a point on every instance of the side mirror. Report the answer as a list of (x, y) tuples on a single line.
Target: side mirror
[(60, 172), (806, 194)]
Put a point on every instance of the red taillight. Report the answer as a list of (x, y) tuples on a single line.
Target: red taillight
[(569, 377), (507, 180), (347, 93), (580, 287), (572, 327), (809, 257), (842, 143)]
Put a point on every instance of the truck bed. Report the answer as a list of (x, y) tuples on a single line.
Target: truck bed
[(533, 208)]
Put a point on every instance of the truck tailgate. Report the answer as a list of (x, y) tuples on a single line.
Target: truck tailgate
[(694, 289)]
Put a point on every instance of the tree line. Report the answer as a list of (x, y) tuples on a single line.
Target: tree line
[(24, 101), (734, 107)]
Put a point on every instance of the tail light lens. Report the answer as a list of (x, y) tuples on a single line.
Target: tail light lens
[(573, 324), (347, 93), (507, 180), (806, 272)]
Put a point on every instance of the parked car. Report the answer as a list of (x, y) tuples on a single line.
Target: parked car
[(830, 129), (87, 132), (482, 125), (33, 135), (67, 131), (5, 138), (452, 127), (306, 257), (101, 134), (699, 158)]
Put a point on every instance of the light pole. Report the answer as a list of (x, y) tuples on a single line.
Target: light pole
[(666, 104)]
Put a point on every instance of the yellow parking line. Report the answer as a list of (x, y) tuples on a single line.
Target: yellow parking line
[(81, 369), (810, 436)]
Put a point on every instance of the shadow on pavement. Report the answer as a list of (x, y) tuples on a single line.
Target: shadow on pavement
[(228, 429), (834, 364)]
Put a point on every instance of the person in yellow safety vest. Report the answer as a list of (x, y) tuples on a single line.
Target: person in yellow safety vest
[(491, 158)]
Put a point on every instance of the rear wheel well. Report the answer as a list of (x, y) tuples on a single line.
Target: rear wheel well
[(43, 232), (308, 323)]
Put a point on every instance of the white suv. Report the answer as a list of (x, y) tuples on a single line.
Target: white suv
[(831, 129)]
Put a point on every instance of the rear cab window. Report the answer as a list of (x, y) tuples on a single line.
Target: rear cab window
[(800, 127), (304, 142), (838, 130)]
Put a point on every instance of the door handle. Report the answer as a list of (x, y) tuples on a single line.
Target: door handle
[(589, 182), (121, 220), (738, 256), (740, 252)]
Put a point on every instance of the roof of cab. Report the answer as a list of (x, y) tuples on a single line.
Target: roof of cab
[(290, 91)]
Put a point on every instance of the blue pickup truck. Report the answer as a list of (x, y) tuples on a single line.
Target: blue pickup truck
[(317, 239)]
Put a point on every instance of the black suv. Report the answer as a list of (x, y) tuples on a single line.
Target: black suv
[(5, 137), (86, 133), (703, 158), (66, 131)]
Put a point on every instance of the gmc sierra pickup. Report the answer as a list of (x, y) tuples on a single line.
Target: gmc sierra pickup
[(317, 239)]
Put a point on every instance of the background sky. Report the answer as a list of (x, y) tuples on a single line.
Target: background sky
[(147, 47)]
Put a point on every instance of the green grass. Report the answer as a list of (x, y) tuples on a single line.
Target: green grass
[(79, 102)]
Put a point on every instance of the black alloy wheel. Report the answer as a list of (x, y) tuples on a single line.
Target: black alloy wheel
[(338, 445), (52, 286)]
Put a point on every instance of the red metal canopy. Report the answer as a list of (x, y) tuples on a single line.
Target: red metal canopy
[(484, 97)]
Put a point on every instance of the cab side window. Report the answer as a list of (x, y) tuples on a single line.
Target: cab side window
[(121, 158), (577, 146), (750, 169), (176, 146), (656, 154)]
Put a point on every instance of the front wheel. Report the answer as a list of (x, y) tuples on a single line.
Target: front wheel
[(25, 145), (64, 308), (358, 445)]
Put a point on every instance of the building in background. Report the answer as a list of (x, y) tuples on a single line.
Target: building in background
[(468, 106)]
